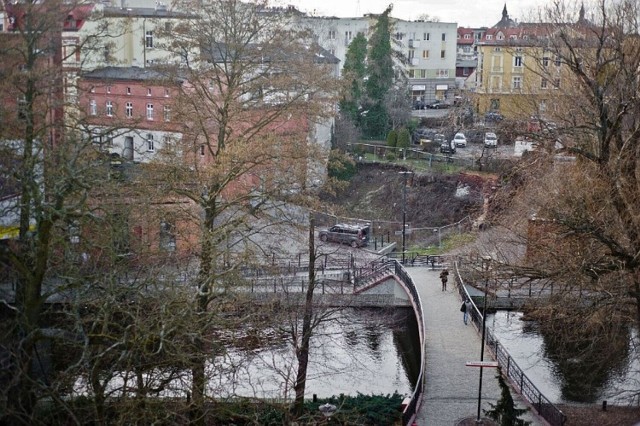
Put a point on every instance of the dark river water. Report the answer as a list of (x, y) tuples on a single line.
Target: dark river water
[(370, 351), (569, 379)]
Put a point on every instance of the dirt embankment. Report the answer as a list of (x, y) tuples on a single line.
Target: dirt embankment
[(432, 200)]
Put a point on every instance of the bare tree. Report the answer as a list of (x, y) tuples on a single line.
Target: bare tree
[(583, 186)]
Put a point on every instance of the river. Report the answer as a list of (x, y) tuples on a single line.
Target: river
[(573, 379)]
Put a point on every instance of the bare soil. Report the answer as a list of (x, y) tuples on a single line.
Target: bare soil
[(432, 200)]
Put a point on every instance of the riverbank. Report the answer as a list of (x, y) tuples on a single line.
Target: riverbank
[(592, 415)]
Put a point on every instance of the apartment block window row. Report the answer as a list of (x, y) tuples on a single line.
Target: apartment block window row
[(148, 39)]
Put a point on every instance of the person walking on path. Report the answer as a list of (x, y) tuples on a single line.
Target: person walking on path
[(444, 277), (466, 309)]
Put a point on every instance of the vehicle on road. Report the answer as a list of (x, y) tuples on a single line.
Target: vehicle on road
[(493, 116), (459, 140), (446, 146), (353, 235), (437, 105), (419, 105), (490, 140)]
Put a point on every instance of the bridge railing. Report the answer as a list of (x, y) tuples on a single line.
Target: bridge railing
[(545, 408), (411, 410)]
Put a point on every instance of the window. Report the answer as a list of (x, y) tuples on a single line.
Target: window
[(149, 111), (167, 26), (93, 107), (489, 37), (425, 54), (148, 92), (517, 82), (442, 74), (128, 110), (332, 34), (128, 90), (347, 35), (399, 36), (166, 113), (92, 89), (167, 236), (426, 36), (202, 150), (411, 55), (543, 83), (412, 73), (150, 145), (545, 61), (556, 83), (558, 61), (108, 89), (444, 36), (442, 54), (423, 73), (166, 93), (109, 109), (148, 39), (542, 106), (467, 36), (497, 49), (517, 61)]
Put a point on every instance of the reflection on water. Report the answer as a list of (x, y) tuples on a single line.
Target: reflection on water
[(369, 351), (576, 370)]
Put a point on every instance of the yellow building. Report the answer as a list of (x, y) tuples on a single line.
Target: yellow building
[(519, 73)]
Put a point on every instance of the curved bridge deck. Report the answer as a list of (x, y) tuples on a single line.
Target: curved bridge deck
[(451, 391)]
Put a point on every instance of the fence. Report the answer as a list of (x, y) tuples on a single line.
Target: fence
[(510, 368), (422, 158)]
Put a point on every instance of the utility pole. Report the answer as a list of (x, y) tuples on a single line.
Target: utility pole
[(486, 263), (404, 211)]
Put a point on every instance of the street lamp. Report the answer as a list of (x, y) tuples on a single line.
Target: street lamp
[(404, 211), (486, 261), (328, 410)]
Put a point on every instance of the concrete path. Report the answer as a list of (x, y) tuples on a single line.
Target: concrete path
[(452, 387)]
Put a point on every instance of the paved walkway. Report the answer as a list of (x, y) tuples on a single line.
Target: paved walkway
[(452, 387)]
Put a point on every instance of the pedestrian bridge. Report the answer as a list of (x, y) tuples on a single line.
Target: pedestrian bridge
[(447, 391)]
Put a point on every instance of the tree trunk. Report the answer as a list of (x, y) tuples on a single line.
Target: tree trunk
[(302, 353)]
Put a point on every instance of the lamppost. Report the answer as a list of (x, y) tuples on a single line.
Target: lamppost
[(404, 211), (328, 410), (486, 260)]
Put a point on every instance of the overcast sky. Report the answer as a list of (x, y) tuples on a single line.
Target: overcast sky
[(466, 13)]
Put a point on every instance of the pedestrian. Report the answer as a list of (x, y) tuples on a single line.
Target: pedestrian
[(466, 309), (444, 277)]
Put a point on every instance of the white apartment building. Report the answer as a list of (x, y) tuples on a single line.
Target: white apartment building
[(429, 49)]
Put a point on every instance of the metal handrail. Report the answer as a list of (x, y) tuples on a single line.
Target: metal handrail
[(545, 408)]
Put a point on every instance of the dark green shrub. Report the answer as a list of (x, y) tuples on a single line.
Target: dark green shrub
[(341, 166), (392, 138)]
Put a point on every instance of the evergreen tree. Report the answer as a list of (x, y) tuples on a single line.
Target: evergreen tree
[(404, 138), (375, 119), (392, 138), (505, 411), (354, 72)]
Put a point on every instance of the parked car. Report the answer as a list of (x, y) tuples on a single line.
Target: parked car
[(493, 116), (459, 140), (419, 105), (446, 146), (490, 140), (354, 235), (437, 105)]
